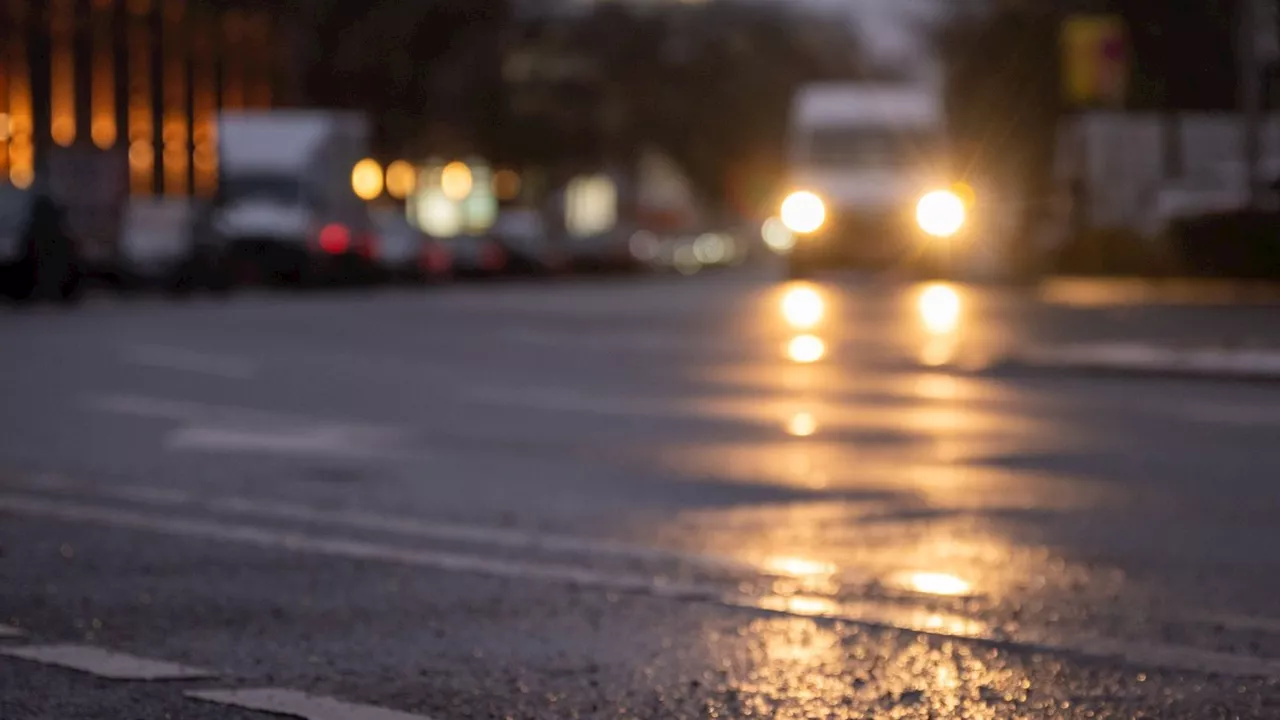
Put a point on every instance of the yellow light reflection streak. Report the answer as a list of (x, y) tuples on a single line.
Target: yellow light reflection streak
[(204, 106), (102, 98), (175, 130), (802, 307), (802, 424), (21, 151), (806, 349), (62, 73), (940, 309), (141, 119)]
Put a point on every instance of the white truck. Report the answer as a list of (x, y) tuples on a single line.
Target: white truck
[(869, 176), (286, 210)]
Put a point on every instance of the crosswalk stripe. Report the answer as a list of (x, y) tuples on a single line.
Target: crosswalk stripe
[(105, 663), (298, 704)]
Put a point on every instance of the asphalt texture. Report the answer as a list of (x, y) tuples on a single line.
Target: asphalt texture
[(707, 497)]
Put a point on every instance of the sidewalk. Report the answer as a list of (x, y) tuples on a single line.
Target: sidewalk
[(1242, 364), (1095, 292)]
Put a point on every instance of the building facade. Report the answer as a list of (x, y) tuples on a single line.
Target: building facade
[(140, 78)]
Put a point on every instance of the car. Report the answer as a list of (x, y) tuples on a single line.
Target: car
[(38, 256), (522, 233), (405, 253), (476, 255)]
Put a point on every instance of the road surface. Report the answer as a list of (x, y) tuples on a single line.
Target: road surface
[(717, 497)]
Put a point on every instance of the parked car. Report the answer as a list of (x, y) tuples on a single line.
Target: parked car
[(405, 253), (476, 255), (522, 233), (287, 209), (38, 257)]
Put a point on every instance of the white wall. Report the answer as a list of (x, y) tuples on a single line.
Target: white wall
[(1120, 158)]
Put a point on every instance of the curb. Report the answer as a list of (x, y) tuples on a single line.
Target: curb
[(1151, 360), (1083, 291)]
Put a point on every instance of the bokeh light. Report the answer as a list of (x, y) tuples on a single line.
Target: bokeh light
[(803, 212), (402, 178), (806, 349), (803, 307), (940, 308), (366, 179), (456, 181)]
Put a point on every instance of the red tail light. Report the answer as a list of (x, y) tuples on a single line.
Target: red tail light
[(493, 257), (435, 259), (335, 239)]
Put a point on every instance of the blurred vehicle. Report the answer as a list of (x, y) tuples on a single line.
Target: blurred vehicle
[(91, 186), (162, 246), (476, 255), (288, 207), (406, 254), (38, 257), (689, 253), (590, 223), (869, 177), (522, 234)]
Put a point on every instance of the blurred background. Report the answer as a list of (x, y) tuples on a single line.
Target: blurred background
[(1021, 464), (1112, 131)]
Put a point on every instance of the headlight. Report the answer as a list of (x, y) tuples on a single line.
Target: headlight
[(940, 213), (803, 212)]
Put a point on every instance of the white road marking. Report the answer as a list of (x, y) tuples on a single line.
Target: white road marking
[(105, 663), (9, 631), (1242, 415), (563, 400), (222, 428), (641, 342), (298, 704), (182, 360), (1245, 622), (312, 442), (190, 411), (1139, 357), (333, 547), (882, 614), (264, 508)]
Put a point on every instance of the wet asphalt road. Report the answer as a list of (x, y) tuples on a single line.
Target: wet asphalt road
[(636, 499)]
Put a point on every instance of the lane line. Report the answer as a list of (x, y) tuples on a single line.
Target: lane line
[(329, 442), (105, 663), (182, 360), (155, 408), (337, 547), (263, 508), (1244, 622), (9, 631), (1142, 357), (884, 615), (563, 400), (298, 704), (230, 429)]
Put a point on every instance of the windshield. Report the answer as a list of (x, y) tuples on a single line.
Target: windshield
[(274, 188), (881, 146)]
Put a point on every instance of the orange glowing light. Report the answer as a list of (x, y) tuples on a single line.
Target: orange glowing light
[(506, 184), (401, 179), (806, 349)]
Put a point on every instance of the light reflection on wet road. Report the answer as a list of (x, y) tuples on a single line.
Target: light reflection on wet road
[(763, 487)]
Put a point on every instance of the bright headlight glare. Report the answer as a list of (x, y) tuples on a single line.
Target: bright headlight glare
[(940, 213), (803, 212)]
